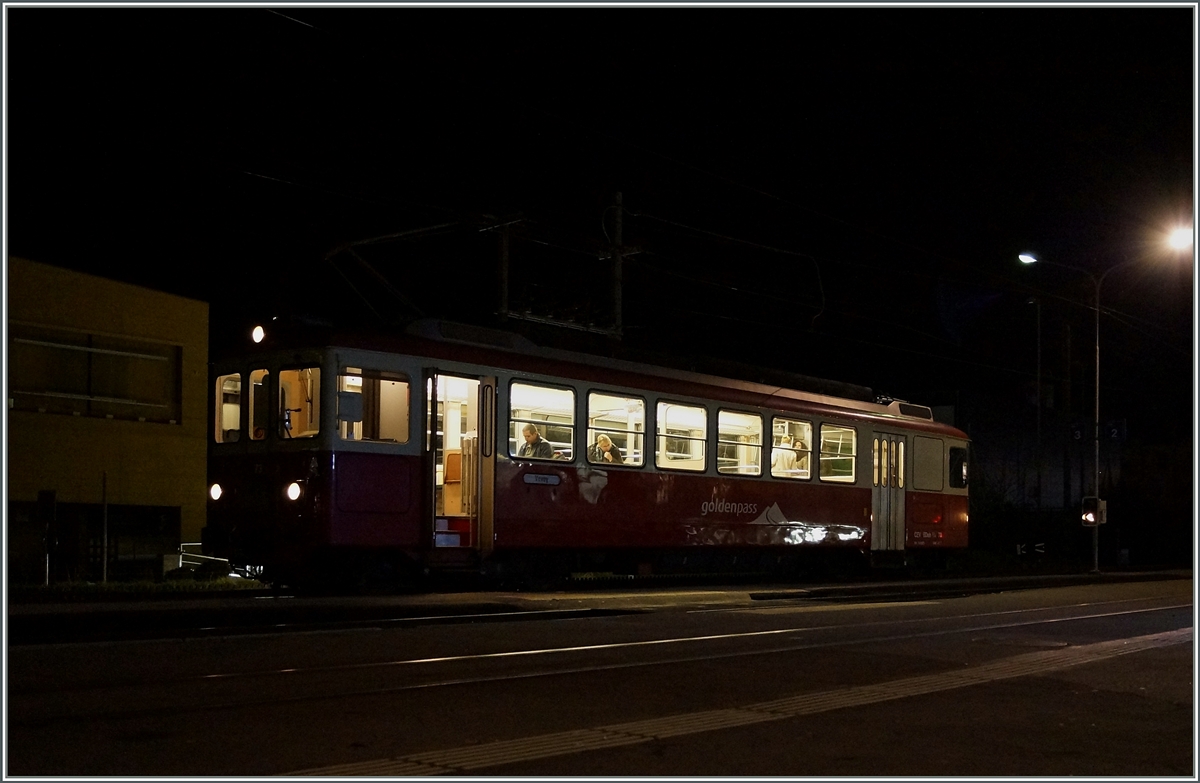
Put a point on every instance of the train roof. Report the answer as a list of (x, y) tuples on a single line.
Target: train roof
[(474, 344)]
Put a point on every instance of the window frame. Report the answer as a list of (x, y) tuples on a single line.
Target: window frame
[(316, 403), (544, 425), (738, 444), (963, 455), (592, 432), (221, 435), (363, 373), (800, 453), (852, 456), (660, 447)]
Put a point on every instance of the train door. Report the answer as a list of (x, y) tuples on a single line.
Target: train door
[(460, 457), (887, 491)]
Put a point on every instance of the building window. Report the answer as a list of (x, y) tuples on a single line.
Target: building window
[(622, 421), (541, 422), (681, 433), (739, 443), (55, 370)]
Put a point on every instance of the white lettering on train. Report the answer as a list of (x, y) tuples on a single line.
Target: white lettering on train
[(721, 506)]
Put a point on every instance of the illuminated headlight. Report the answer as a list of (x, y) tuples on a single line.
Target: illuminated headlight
[(258, 334), (214, 491), (293, 491)]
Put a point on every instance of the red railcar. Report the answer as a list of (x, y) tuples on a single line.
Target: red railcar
[(412, 451)]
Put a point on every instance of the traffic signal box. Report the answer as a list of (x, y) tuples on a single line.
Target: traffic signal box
[(1095, 511)]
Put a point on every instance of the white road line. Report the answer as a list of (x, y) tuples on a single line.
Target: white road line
[(705, 638), (464, 760)]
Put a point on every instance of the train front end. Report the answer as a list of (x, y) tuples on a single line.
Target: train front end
[(269, 466)]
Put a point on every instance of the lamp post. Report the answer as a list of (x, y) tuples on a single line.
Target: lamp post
[(1179, 240), (1037, 455)]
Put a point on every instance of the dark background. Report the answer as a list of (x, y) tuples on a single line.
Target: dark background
[(840, 193)]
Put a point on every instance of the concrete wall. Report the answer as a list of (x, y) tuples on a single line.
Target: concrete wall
[(147, 463)]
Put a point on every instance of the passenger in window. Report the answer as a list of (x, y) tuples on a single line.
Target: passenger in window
[(783, 459), (605, 452), (535, 444)]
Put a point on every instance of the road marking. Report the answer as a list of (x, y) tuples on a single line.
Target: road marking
[(836, 607), (465, 759)]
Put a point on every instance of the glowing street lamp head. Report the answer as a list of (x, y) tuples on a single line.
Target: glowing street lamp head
[(258, 334), (1028, 258), (1181, 238)]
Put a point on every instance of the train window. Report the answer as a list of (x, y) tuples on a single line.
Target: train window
[(958, 468), (620, 419), (791, 448), (541, 422), (927, 463), (258, 404), (838, 448), (299, 402), (739, 443), (373, 405), (228, 409), (681, 433)]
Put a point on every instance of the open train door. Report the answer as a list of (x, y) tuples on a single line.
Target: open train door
[(460, 466), (888, 452)]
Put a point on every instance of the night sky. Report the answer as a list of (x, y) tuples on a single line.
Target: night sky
[(838, 192)]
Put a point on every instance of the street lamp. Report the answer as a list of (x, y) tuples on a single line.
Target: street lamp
[(1037, 456), (1180, 239)]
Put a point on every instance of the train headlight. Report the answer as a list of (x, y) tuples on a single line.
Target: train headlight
[(293, 491), (215, 491)]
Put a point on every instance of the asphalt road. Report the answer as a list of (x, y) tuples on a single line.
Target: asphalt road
[(1091, 679)]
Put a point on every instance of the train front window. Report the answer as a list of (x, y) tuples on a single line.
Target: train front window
[(299, 402), (620, 419), (838, 449), (258, 404), (739, 443), (681, 433), (958, 467), (541, 423), (228, 408), (373, 405)]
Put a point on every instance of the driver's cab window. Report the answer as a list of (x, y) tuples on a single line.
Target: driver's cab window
[(228, 408), (258, 404), (299, 402)]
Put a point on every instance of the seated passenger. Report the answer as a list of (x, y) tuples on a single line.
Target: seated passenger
[(535, 445), (605, 452), (783, 459)]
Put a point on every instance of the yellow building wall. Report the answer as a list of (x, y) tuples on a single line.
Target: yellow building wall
[(146, 463)]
